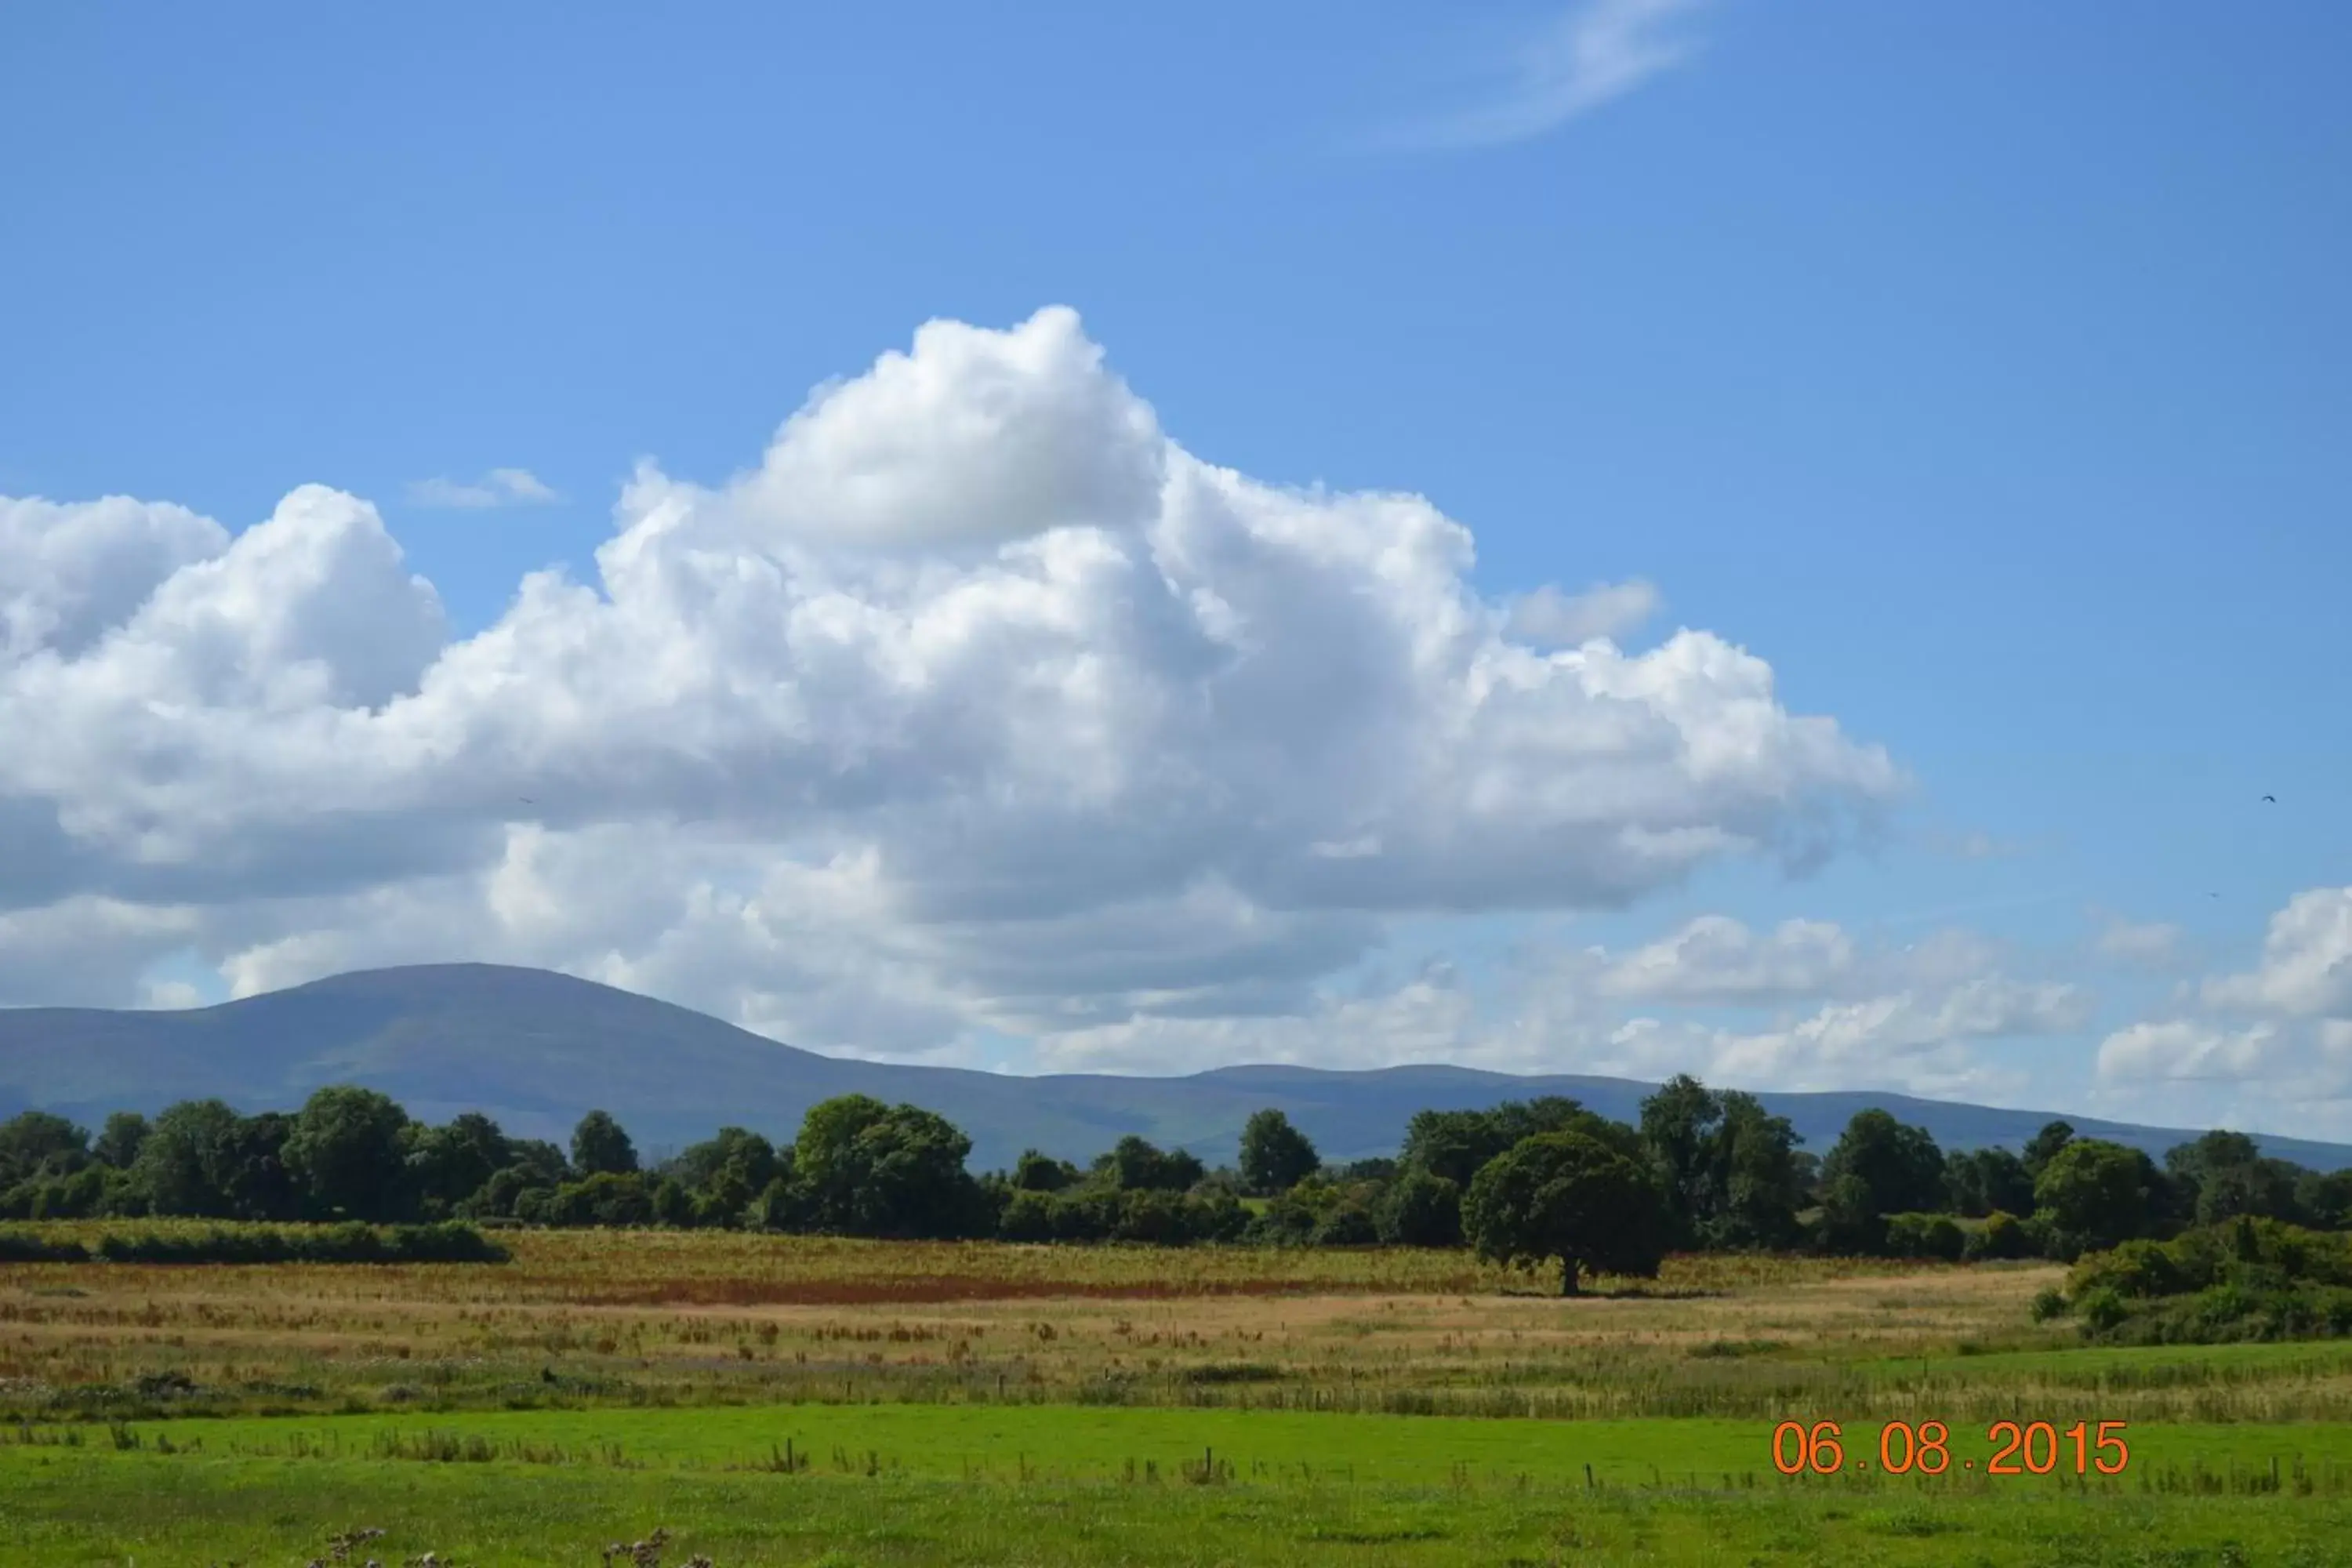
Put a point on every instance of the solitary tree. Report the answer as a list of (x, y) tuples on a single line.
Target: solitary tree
[(1274, 1156), (1568, 1196)]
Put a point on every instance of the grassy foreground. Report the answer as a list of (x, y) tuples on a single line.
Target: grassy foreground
[(784, 1400), (89, 1507)]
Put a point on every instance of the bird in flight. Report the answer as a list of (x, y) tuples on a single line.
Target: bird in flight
[(2272, 798)]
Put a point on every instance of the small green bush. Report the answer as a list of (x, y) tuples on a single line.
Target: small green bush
[(449, 1242), (2002, 1237), (1926, 1235)]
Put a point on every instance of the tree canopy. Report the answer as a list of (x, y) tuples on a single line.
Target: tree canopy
[(1570, 1196)]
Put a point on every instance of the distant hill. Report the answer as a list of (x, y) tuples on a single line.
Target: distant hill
[(537, 1050)]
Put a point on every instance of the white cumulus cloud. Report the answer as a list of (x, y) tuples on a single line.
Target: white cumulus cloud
[(979, 705)]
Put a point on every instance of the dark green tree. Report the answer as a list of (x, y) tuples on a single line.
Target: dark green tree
[(2044, 1146), (449, 1164), (255, 1178), (1039, 1173), (1274, 1155), (348, 1155), (1568, 1196), (599, 1147), (751, 1157), (1422, 1210), (541, 1161), (1980, 1182), (185, 1166), (2325, 1198), (1455, 1143), (120, 1141), (35, 1143), (2096, 1194), (864, 1168), (1136, 1164), (1879, 1166), (1728, 1168)]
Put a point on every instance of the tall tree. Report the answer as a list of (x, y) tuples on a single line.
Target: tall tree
[(1985, 1180), (1879, 1166), (2096, 1194), (183, 1166), (450, 1163), (1137, 1165), (1274, 1155), (2044, 1146), (600, 1148), (37, 1143), (119, 1140), (1729, 1168), (864, 1168), (1038, 1172), (348, 1153), (1568, 1196)]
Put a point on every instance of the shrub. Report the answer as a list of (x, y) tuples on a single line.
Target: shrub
[(17, 1247), (1926, 1235), (2003, 1236), (2101, 1310), (1028, 1217), (1346, 1224), (2048, 1304), (349, 1243)]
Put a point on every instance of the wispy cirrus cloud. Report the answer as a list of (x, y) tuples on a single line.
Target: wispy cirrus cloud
[(499, 488), (1591, 54)]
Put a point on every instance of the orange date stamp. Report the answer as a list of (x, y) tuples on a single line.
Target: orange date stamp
[(1925, 1448)]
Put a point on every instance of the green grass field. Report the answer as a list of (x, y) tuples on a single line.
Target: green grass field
[(779, 1404)]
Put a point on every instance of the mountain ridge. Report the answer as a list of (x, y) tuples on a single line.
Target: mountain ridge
[(536, 1049)]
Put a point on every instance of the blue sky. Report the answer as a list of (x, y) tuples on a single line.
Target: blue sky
[(1981, 369)]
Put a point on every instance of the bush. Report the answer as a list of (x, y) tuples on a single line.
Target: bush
[(1924, 1235), (1028, 1217), (2139, 1269), (2101, 1310), (350, 1243), (2048, 1304), (1346, 1224), (17, 1247), (2002, 1237), (2246, 1279)]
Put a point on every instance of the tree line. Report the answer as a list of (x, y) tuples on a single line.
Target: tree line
[(1544, 1181)]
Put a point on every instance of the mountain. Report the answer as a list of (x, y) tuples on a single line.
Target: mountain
[(537, 1050)]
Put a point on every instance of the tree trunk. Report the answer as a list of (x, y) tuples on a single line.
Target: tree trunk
[(1567, 1276)]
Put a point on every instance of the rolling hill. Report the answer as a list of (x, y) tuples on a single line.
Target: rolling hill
[(536, 1050)]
